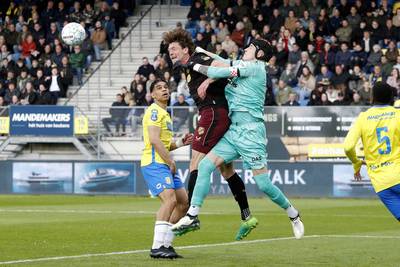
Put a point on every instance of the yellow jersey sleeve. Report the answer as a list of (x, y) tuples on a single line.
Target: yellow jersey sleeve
[(351, 140)]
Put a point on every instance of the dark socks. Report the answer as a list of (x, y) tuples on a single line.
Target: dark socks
[(239, 193), (191, 184)]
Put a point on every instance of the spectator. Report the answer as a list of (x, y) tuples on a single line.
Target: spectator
[(138, 80), (376, 75), (139, 95), (54, 84), (290, 21), (238, 34), (304, 62), (29, 96), (327, 56), (386, 67), (99, 38), (77, 60), (66, 76), (15, 100), (356, 100), (374, 58), (282, 94), (344, 33), (57, 56), (292, 100), (229, 46), (289, 42), (324, 100), (151, 79), (222, 31), (357, 78), (324, 75), (12, 90), (22, 79), (230, 19), (366, 42), (316, 96), (109, 27), (241, 10), (89, 15), (276, 21), (28, 49), (273, 70), (392, 52), (365, 93), (44, 97), (394, 79), (180, 113), (358, 56), (212, 45), (340, 101), (306, 84), (195, 14), (340, 77), (126, 95), (343, 56), (200, 41), (146, 68), (220, 52), (288, 75), (353, 18), (331, 93), (118, 115), (52, 34), (39, 79)]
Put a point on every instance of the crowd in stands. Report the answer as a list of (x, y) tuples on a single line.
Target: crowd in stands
[(36, 67), (327, 52)]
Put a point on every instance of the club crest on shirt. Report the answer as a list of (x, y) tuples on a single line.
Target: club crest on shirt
[(154, 115), (200, 131), (188, 78), (168, 180)]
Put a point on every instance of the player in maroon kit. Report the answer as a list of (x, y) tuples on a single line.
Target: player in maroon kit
[(213, 120)]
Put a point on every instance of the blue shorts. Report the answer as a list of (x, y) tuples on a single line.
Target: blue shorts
[(391, 198), (159, 177)]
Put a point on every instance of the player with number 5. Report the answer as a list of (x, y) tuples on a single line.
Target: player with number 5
[(379, 129)]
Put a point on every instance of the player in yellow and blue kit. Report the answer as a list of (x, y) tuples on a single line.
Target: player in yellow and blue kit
[(379, 130), (158, 170), (246, 137)]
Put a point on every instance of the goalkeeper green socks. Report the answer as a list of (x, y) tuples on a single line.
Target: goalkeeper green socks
[(206, 167), (272, 191)]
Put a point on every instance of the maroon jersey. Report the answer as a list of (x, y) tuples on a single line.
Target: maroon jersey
[(216, 90)]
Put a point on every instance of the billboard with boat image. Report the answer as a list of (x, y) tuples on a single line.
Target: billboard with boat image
[(42, 177), (104, 178)]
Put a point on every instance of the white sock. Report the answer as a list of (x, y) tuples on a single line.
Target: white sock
[(292, 212), (160, 230), (194, 210), (169, 236)]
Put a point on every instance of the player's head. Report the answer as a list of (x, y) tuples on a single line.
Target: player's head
[(258, 49), (382, 94), (159, 91), (180, 44)]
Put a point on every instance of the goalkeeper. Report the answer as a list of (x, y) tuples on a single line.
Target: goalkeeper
[(246, 136)]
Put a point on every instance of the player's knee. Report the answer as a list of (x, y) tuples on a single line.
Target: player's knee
[(227, 171), (206, 166), (170, 200)]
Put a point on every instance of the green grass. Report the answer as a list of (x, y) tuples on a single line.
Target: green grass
[(76, 225)]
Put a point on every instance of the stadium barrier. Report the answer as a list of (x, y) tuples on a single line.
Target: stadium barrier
[(301, 179)]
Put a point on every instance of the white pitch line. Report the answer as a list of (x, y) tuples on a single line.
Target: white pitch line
[(193, 246), (153, 212)]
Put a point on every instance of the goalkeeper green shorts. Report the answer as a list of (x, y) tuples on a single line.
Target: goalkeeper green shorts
[(246, 140)]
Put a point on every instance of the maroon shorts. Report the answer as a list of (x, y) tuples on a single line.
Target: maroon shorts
[(212, 125)]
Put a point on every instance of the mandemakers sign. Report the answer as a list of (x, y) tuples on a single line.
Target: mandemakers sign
[(295, 179), (42, 120)]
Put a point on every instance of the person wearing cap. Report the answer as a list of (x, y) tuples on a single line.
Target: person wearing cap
[(378, 128), (246, 137)]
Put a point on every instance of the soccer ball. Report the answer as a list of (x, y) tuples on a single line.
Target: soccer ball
[(73, 34)]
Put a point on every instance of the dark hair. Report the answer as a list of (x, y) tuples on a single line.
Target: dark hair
[(153, 85), (180, 36), (382, 93)]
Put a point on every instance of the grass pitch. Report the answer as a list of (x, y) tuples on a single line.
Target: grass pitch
[(339, 232)]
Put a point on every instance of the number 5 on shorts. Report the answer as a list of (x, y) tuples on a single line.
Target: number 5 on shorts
[(382, 139)]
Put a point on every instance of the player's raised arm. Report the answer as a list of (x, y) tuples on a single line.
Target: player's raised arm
[(213, 56), (224, 72), (350, 143)]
